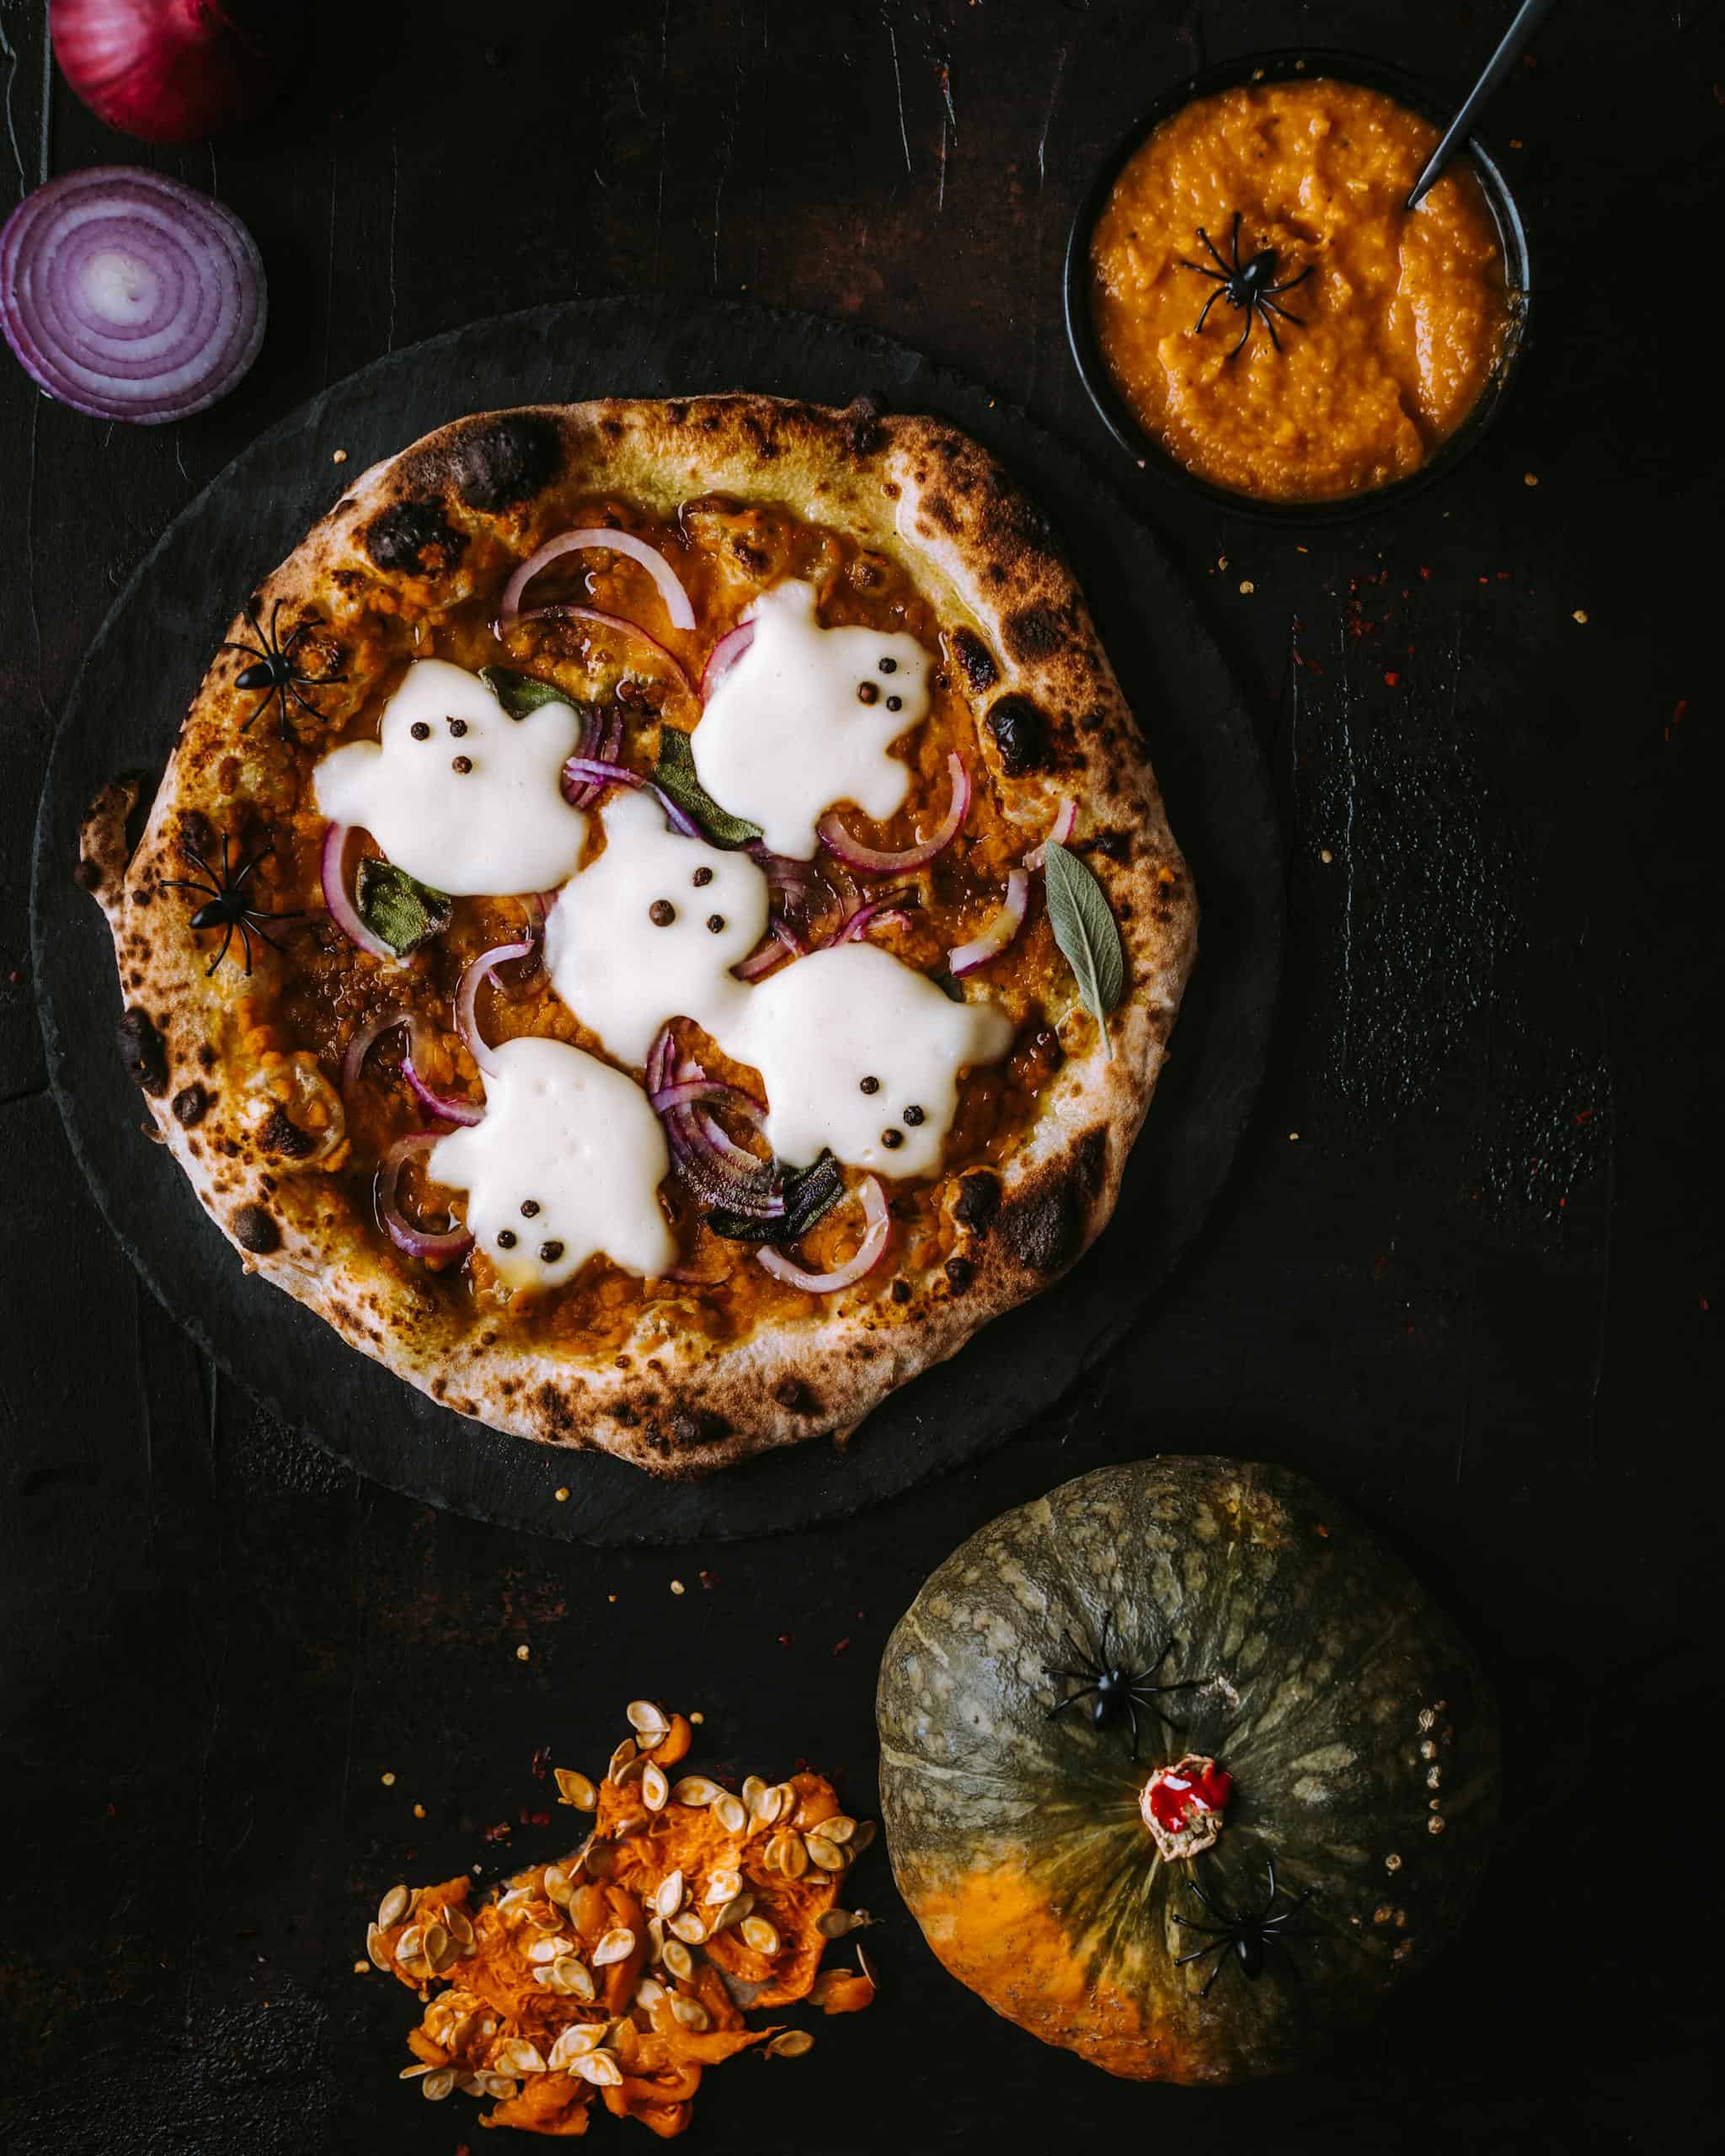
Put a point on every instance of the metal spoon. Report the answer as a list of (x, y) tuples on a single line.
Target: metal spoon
[(1516, 39)]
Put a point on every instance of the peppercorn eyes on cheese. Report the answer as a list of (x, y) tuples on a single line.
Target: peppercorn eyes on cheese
[(658, 924), (624, 1971)]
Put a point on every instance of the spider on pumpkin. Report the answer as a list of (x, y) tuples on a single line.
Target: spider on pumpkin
[(1246, 1933), (1246, 285), (275, 669), (1113, 1688), (226, 905)]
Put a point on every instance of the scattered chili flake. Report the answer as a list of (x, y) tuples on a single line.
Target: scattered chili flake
[(709, 1581), (541, 1761), (839, 1646), (1426, 575), (1392, 680), (1584, 1115), (501, 1833), (784, 1638)]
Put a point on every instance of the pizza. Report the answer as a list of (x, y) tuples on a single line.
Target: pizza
[(659, 922)]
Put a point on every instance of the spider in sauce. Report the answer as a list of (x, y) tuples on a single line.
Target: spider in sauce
[(1249, 286)]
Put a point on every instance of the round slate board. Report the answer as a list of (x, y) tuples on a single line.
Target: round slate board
[(177, 607)]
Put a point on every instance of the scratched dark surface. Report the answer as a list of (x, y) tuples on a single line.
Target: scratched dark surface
[(1472, 1293)]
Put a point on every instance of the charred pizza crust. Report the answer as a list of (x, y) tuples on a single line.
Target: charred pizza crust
[(447, 519)]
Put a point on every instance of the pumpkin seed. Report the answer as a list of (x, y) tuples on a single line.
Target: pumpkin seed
[(790, 2043), (375, 1947), (834, 1923), (515, 2055), (679, 1960), (731, 1814), (470, 2085), (692, 2013), (649, 1991), (620, 1758), (598, 2067), (760, 1934), (649, 1721), (785, 1853), (655, 1790), (575, 2042), (411, 1944), (393, 1908), (460, 1928), (688, 1927), (697, 1791), (574, 1788), (670, 1897), (863, 1962), (631, 1771), (437, 2086), (863, 1838), (722, 1886), (545, 1948), (559, 1885), (574, 1976), (413, 2073), (616, 1945), (838, 1829), (754, 1788), (827, 1854), (440, 1948), (734, 1912), (599, 1860), (498, 2086)]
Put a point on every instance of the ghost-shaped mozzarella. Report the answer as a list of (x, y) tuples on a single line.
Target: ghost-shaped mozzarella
[(457, 792), (566, 1162), (651, 929), (805, 718), (861, 1053)]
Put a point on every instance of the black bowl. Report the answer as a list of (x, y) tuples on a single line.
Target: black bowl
[(1309, 63)]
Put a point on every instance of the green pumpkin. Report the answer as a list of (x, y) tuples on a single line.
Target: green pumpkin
[(1361, 1739)]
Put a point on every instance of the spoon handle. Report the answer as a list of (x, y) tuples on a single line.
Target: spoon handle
[(1528, 17)]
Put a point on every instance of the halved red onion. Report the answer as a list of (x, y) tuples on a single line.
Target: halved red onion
[(720, 1171), (724, 655), (332, 870), (1002, 927), (680, 613), (870, 862), (433, 1244), (467, 1021), (130, 295), (569, 613), (867, 1257), (1065, 821)]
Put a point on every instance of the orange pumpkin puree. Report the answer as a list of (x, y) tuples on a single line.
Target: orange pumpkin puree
[(1401, 319)]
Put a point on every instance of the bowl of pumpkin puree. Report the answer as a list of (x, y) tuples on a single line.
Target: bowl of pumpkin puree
[(1251, 302)]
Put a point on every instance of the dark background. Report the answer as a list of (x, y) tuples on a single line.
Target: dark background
[(1463, 1273)]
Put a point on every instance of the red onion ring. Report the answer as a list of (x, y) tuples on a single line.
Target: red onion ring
[(869, 862), (363, 1042), (687, 1092), (407, 1235), (659, 1056), (331, 873), (610, 621), (876, 915), (129, 296), (868, 1255), (680, 613), (467, 1021), (585, 777), (1065, 821), (448, 1107), (1001, 928), (778, 942), (724, 655)]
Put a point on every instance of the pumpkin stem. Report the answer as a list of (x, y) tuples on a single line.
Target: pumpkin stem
[(1184, 1805)]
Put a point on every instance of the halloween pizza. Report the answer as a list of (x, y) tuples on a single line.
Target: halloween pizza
[(659, 922)]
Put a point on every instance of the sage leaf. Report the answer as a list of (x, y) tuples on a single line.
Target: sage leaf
[(1085, 929), (675, 775), (809, 1193), (397, 908), (522, 693)]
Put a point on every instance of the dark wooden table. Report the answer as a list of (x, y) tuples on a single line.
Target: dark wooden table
[(1468, 1270)]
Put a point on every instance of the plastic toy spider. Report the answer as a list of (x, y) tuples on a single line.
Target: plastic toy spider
[(1247, 1934), (226, 907), (1247, 285), (1113, 1688), (275, 669)]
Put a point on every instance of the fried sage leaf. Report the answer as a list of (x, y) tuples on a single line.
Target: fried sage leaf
[(808, 1195), (1085, 929), (399, 909), (675, 775), (522, 693)]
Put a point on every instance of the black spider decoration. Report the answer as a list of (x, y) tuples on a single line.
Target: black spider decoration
[(226, 906), (1246, 1933), (1116, 1687), (1247, 285), (275, 669)]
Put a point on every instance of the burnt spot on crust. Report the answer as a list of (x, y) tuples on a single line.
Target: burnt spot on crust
[(281, 1134), (255, 1230), (1020, 728), (491, 464), (1045, 1224), (975, 660), (1114, 845), (143, 1051), (197, 834), (942, 512), (697, 1426), (87, 874), (960, 1271), (796, 1397), (861, 417), (1034, 633), (900, 1291), (190, 1104), (412, 538), (978, 1203)]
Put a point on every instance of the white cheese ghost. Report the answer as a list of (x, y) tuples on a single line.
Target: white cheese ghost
[(858, 1052), (567, 1161), (651, 930), (805, 718), (457, 792)]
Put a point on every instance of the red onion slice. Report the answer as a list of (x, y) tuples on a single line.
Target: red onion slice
[(724, 655), (1065, 823), (129, 296), (448, 1107), (867, 1257), (876, 915), (680, 613), (595, 772), (467, 1021), (610, 621), (363, 1042), (332, 871), (779, 942), (441, 1244), (1002, 927), (870, 862), (688, 1092)]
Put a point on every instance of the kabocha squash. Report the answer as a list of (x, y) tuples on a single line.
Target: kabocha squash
[(1180, 1770)]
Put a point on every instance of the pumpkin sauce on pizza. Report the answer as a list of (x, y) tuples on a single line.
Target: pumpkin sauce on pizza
[(659, 922)]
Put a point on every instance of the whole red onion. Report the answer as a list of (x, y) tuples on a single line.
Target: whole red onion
[(174, 71)]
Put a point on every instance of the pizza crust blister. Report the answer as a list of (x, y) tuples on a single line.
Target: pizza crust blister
[(1031, 702)]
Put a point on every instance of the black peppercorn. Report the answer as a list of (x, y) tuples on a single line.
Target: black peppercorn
[(914, 1115), (458, 727), (892, 1139), (530, 1206), (896, 703), (871, 1084), (661, 913), (867, 693), (889, 665), (505, 1239), (702, 878), (419, 730), (715, 921), (550, 1252), (462, 764)]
